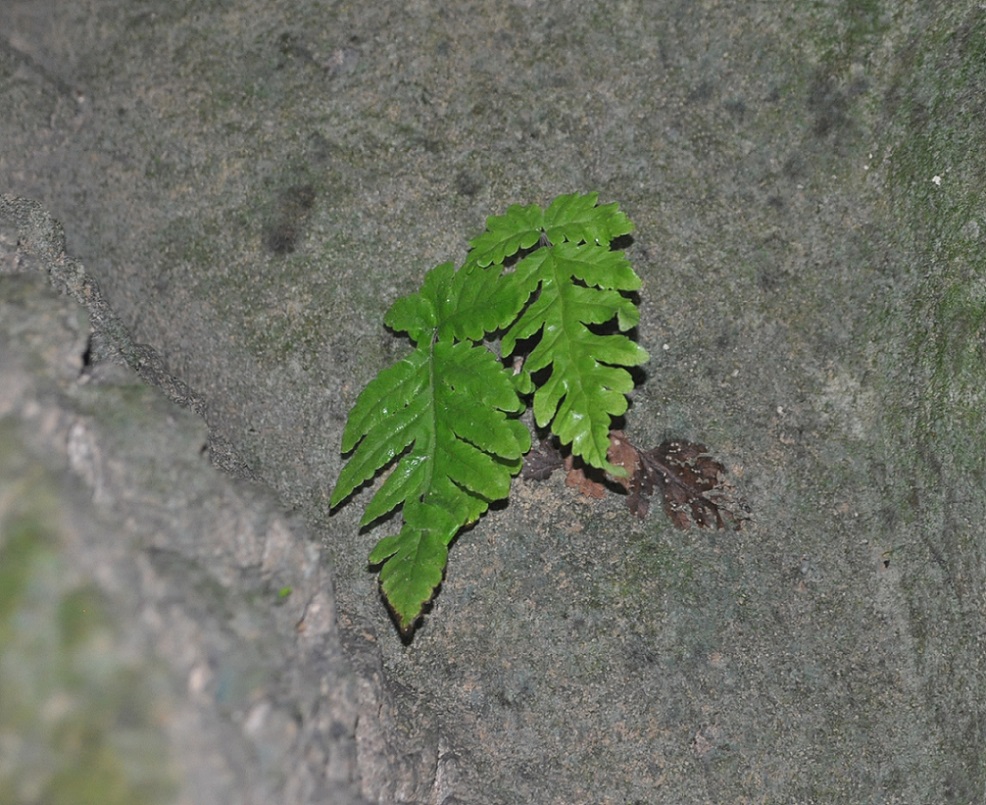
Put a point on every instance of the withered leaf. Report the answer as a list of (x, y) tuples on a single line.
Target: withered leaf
[(623, 454), (542, 460), (587, 486), (687, 478), (546, 457), (690, 481)]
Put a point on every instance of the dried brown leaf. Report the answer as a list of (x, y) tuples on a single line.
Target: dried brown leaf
[(690, 481), (541, 461), (586, 486), (623, 454)]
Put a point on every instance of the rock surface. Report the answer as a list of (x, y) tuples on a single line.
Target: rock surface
[(252, 184), (167, 633)]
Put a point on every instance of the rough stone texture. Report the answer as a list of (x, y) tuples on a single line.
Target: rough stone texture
[(253, 183), (166, 633)]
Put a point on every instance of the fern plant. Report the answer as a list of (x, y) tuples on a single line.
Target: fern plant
[(445, 417)]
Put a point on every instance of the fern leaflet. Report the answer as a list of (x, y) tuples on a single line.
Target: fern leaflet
[(443, 418), (579, 285), (441, 414)]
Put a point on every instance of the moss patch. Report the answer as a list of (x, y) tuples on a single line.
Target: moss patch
[(933, 373), (936, 176)]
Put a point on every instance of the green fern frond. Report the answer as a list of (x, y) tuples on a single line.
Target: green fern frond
[(579, 285), (444, 418), (443, 410), (414, 560), (518, 228), (576, 219), (441, 416)]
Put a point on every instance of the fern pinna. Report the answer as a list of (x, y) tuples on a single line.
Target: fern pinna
[(446, 416)]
